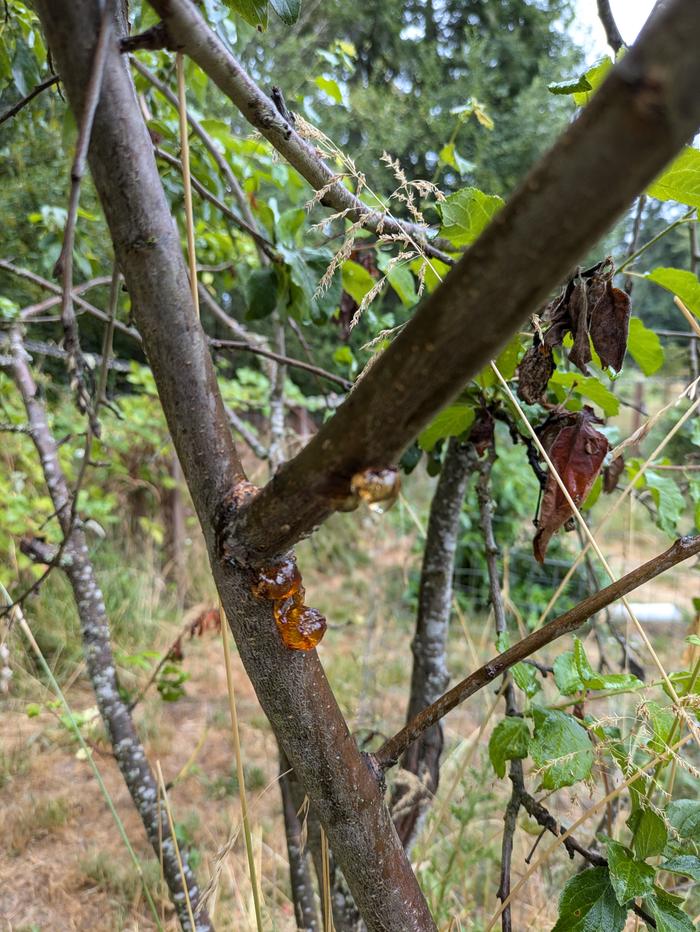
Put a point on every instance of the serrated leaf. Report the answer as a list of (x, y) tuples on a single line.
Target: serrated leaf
[(450, 422), (510, 740), (466, 213), (645, 347), (629, 877), (588, 904), (595, 76), (649, 833), (669, 918), (287, 10), (681, 283), (561, 747), (680, 181), (566, 675), (402, 282), (525, 678), (668, 499), (686, 864), (684, 817), (450, 156)]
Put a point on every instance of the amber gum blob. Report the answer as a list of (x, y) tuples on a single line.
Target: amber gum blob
[(300, 627), (378, 488), (278, 581)]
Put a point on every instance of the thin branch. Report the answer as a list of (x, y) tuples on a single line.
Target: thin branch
[(240, 426), (612, 33), (284, 360), (634, 238), (44, 283), (681, 550), (15, 108), (237, 221), (190, 33), (64, 265), (464, 323)]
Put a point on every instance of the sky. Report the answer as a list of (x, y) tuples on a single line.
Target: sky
[(630, 16)]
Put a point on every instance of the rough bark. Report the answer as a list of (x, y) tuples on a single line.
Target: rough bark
[(291, 686), (94, 627), (429, 676)]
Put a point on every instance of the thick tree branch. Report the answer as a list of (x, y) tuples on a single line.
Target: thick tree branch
[(429, 676), (189, 33), (683, 549), (290, 685), (641, 116)]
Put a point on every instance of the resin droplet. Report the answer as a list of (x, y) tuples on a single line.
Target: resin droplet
[(300, 627), (278, 581), (378, 488)]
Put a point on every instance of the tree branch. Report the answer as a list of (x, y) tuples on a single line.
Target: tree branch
[(190, 33), (284, 360), (682, 549), (94, 623), (429, 676), (612, 33), (15, 108), (644, 112)]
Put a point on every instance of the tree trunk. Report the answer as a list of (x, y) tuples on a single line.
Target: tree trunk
[(291, 686)]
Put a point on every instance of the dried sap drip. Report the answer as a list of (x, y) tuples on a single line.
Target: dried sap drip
[(279, 580), (378, 488), (300, 627)]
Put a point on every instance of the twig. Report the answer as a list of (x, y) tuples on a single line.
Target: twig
[(681, 550), (15, 108), (612, 33), (237, 221), (636, 228), (278, 357), (248, 436), (64, 265), (190, 33)]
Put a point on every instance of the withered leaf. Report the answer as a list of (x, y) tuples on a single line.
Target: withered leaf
[(534, 372), (612, 473), (610, 320), (481, 434), (589, 306), (577, 453)]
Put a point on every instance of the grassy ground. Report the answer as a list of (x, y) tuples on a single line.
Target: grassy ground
[(62, 864)]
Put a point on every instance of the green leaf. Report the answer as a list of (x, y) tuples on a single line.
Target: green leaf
[(450, 156), (287, 10), (509, 741), (662, 722), (649, 833), (566, 674), (561, 747), (33, 710), (686, 864), (590, 679), (571, 86), (680, 181), (644, 347), (466, 213), (525, 678), (356, 280), (681, 283), (594, 78), (669, 918), (450, 422), (330, 87), (668, 500), (289, 224), (588, 387), (588, 904), (684, 817), (629, 878), (261, 293), (402, 282), (253, 12)]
